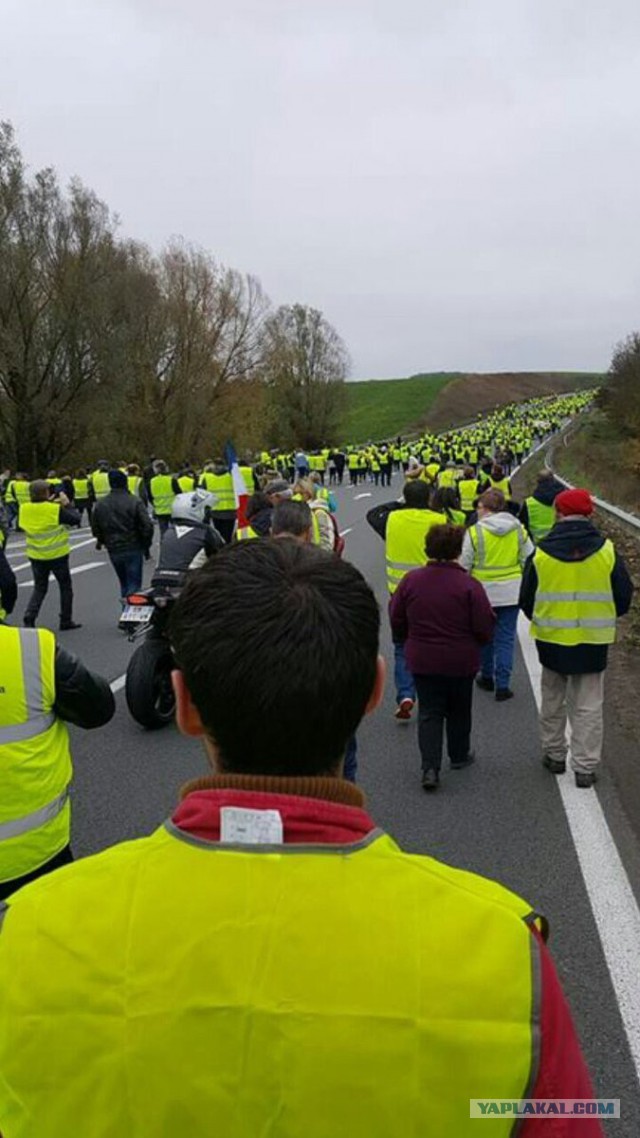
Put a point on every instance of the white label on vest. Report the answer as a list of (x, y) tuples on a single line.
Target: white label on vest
[(250, 827)]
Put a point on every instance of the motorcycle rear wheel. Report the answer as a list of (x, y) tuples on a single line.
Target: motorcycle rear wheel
[(148, 689)]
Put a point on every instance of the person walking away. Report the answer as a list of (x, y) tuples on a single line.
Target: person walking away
[(537, 512), (442, 617), (468, 489), (121, 523), (163, 488), (45, 521), (237, 932), (447, 501), (404, 527), (81, 493), (99, 481), (217, 479), (573, 589), (494, 552), (136, 484), (42, 687), (188, 542)]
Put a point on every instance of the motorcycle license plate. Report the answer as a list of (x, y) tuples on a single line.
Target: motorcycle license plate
[(136, 614)]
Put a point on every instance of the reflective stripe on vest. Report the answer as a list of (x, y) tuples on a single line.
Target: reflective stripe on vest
[(574, 600), (405, 540), (426, 1040), (541, 519), (46, 538), (34, 754), (246, 533), (161, 488), (100, 482), (497, 556), (222, 486)]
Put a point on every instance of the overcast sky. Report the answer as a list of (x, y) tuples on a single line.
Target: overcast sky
[(456, 185)]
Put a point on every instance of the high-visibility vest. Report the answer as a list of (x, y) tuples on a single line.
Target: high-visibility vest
[(46, 537), (21, 490), (468, 491), (497, 557), (541, 519), (161, 489), (95, 956), (81, 488), (247, 474), (222, 486), (405, 538), (186, 482), (353, 461), (574, 600), (100, 482), (246, 533), (34, 754), (431, 471), (447, 477), (501, 484), (134, 483), (323, 494), (457, 517)]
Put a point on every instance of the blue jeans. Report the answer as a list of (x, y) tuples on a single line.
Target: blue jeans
[(351, 760), (128, 566), (405, 687), (497, 657)]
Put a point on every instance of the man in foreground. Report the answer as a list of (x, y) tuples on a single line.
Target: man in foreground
[(269, 961), (573, 589)]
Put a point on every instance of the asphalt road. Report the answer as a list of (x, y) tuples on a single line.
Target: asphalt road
[(504, 817)]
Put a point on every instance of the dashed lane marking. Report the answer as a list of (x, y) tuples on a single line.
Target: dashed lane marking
[(77, 569), (78, 545)]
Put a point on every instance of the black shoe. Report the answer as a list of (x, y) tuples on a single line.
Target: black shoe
[(430, 780), (471, 758), (556, 766), (69, 626), (26, 623), (585, 779), (503, 693), (485, 683)]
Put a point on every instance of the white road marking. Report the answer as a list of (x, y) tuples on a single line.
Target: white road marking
[(611, 897), (78, 569), (344, 532), (118, 684), (356, 497), (78, 545)]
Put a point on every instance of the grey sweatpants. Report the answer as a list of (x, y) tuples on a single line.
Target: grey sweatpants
[(578, 699)]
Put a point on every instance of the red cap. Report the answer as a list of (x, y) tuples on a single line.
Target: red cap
[(574, 502)]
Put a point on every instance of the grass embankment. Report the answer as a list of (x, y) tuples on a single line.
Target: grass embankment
[(596, 456), (381, 408)]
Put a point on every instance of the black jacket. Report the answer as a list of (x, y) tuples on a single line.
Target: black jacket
[(185, 545), (574, 540), (121, 523), (82, 697), (8, 584), (377, 517), (546, 493), (261, 522)]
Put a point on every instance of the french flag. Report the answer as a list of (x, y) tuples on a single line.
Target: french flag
[(239, 487)]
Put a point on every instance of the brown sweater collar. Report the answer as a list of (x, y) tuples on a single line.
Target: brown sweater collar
[(330, 789)]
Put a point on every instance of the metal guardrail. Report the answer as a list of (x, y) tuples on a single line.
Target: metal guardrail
[(623, 515)]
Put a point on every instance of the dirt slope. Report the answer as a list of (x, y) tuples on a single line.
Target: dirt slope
[(463, 398)]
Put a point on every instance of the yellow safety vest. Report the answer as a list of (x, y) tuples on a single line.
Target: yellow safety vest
[(201, 986), (246, 533), (574, 600), (161, 488), (34, 754), (501, 484), (134, 482), (21, 491), (497, 557), (247, 474), (81, 488), (405, 538), (468, 491), (541, 519), (222, 486), (446, 478), (100, 482), (46, 537)]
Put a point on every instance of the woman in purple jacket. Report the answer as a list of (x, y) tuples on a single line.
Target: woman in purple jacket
[(443, 617)]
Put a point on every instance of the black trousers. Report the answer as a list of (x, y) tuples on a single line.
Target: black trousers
[(65, 857), (59, 566), (443, 699), (224, 526)]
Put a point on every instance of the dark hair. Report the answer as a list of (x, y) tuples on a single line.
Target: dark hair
[(293, 518), (39, 490), (81, 472), (256, 503), (444, 543), (295, 627), (497, 472), (445, 499), (492, 500), (416, 494)]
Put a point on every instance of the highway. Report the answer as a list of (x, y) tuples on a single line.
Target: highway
[(571, 853)]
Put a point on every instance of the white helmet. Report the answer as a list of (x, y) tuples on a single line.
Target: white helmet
[(193, 506)]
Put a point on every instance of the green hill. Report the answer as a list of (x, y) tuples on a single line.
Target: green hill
[(382, 408)]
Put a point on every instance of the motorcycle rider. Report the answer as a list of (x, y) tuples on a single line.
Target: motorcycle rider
[(190, 539)]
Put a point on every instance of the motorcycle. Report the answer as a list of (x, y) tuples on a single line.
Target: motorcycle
[(148, 688)]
